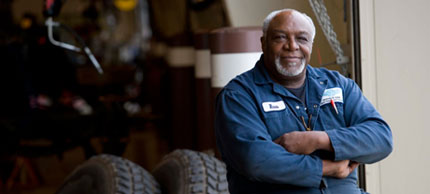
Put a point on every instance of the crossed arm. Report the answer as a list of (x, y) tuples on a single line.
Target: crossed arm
[(366, 139), (241, 134), (306, 142)]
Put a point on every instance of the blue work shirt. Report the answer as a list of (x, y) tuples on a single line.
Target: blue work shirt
[(252, 111)]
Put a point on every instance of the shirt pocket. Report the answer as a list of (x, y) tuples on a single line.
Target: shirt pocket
[(328, 117), (280, 122)]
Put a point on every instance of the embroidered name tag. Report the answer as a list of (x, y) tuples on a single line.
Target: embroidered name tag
[(334, 94), (273, 106)]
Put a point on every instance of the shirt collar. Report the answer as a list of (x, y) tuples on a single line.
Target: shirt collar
[(316, 82), (261, 76)]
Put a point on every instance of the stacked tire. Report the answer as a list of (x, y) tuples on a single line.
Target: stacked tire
[(180, 172), (109, 174), (191, 172)]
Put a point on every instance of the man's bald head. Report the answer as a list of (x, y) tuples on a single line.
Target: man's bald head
[(273, 14)]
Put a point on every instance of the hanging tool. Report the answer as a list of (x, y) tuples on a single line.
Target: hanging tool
[(324, 20), (51, 9)]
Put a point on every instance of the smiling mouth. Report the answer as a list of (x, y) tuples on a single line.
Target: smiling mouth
[(292, 59)]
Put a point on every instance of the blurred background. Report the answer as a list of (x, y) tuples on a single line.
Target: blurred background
[(57, 110)]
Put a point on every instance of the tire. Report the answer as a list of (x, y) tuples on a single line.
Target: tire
[(109, 174), (191, 172)]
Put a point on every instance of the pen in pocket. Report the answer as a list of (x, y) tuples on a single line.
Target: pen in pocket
[(334, 106)]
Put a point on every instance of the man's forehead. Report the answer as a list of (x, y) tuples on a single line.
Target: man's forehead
[(291, 18), (299, 32)]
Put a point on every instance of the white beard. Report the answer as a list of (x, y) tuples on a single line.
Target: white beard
[(284, 71)]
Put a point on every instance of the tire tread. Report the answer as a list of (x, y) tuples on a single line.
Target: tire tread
[(204, 174), (124, 176)]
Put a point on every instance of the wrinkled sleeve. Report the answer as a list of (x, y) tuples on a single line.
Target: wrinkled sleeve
[(247, 147), (367, 137)]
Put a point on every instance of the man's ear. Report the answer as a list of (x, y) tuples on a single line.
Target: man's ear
[(263, 43)]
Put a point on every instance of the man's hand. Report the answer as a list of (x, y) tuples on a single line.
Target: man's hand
[(304, 142), (338, 169)]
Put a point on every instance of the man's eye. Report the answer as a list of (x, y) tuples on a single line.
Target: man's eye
[(302, 39), (279, 37)]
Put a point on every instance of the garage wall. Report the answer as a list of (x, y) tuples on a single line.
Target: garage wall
[(396, 77)]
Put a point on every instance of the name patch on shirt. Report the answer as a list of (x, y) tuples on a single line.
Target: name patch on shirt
[(273, 106), (334, 94)]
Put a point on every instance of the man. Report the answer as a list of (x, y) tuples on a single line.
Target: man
[(286, 127)]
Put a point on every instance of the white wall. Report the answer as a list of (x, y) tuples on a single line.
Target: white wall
[(396, 78)]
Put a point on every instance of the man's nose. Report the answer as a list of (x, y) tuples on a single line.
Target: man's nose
[(291, 45)]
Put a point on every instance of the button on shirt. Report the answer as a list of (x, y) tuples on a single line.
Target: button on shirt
[(252, 111)]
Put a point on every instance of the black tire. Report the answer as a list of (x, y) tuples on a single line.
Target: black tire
[(109, 174), (191, 172)]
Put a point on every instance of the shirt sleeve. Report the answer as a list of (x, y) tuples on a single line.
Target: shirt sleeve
[(247, 147), (367, 137)]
